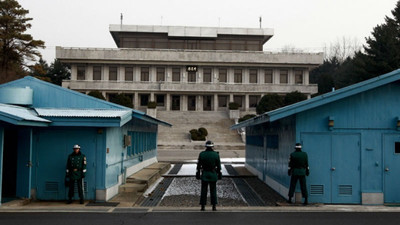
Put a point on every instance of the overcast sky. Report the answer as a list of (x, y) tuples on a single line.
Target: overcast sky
[(305, 24)]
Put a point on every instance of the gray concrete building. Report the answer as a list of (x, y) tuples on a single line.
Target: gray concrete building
[(189, 68)]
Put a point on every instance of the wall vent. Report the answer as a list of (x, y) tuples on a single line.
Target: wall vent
[(345, 190), (316, 189), (51, 186)]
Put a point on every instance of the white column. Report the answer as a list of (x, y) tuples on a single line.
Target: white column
[(275, 76), (230, 97), (136, 101), (121, 73), (152, 97), (215, 102), (168, 102), (74, 72), (246, 102), (89, 73), (184, 103), (306, 77), (199, 103)]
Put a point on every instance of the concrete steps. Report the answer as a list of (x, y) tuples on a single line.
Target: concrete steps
[(178, 137), (136, 184)]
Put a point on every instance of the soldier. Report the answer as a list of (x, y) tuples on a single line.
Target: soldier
[(209, 166), (298, 169), (76, 170)]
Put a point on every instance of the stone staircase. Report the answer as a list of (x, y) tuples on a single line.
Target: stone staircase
[(178, 137), (132, 191)]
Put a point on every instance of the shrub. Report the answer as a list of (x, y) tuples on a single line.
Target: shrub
[(269, 102), (122, 99), (233, 106), (246, 117), (198, 135), (96, 94), (152, 105), (203, 131)]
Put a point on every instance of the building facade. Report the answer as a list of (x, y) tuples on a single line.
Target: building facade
[(39, 124), (351, 136), (188, 68)]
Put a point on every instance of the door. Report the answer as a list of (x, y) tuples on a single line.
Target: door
[(176, 102), (191, 103), (207, 103), (52, 150), (319, 161), (391, 151), (24, 163), (334, 161), (345, 168)]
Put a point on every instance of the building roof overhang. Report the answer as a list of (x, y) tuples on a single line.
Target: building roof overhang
[(293, 109)]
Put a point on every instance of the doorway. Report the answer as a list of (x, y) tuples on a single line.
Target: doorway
[(10, 150), (207, 103), (176, 102), (191, 103)]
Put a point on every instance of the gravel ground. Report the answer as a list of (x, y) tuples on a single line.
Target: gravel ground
[(185, 192), (267, 194)]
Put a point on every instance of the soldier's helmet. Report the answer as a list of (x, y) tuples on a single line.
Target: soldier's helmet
[(77, 147), (209, 144), (298, 146)]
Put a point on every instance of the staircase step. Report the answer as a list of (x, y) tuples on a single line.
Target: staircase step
[(132, 187), (144, 176)]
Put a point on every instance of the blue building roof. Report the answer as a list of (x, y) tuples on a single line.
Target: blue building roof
[(321, 100), (56, 103), (21, 116)]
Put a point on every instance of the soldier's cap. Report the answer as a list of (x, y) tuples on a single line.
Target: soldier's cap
[(209, 144), (298, 145), (77, 147)]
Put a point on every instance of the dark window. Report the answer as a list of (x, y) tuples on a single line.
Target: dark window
[(253, 100), (81, 73), (112, 73), (207, 75), (298, 76), (222, 75), (176, 74), (253, 76), (144, 74), (160, 99), (397, 147), (129, 73), (222, 100), (238, 76), (192, 77), (96, 72), (273, 141), (268, 76), (238, 99), (283, 75), (144, 99), (160, 74)]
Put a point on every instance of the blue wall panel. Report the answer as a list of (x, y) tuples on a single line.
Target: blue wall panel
[(143, 147), (1, 158), (51, 149)]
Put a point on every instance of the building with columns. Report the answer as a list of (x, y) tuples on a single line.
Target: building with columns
[(189, 68)]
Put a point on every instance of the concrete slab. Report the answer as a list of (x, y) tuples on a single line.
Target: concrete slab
[(144, 176), (132, 187)]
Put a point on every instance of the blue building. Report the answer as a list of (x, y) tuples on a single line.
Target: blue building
[(352, 137), (39, 124)]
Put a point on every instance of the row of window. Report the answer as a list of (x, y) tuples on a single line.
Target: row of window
[(192, 75), (141, 142), (223, 100)]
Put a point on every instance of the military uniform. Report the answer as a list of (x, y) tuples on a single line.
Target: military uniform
[(76, 170), (209, 165), (298, 170)]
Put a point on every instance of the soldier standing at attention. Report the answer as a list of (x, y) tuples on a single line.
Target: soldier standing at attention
[(209, 166), (76, 170), (298, 169)]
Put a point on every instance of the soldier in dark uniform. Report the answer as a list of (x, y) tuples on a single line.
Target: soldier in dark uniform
[(76, 170), (209, 171), (298, 169)]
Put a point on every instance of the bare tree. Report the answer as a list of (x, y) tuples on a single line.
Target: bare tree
[(342, 48)]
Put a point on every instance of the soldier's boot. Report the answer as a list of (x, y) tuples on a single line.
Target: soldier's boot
[(81, 201), (305, 201), (214, 208), (69, 201), (203, 208), (289, 200)]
